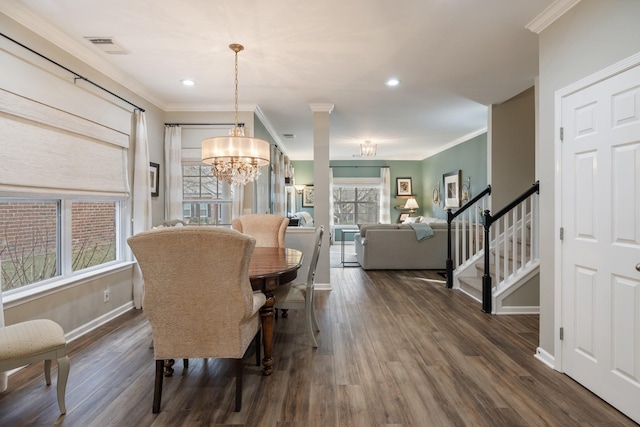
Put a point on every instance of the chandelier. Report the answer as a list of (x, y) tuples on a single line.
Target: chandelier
[(368, 149), (235, 158)]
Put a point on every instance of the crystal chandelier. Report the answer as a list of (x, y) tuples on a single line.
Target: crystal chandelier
[(236, 158), (368, 149)]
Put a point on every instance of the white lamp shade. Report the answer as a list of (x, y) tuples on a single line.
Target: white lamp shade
[(411, 204), (238, 148)]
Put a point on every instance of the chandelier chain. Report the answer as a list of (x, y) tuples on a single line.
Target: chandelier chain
[(236, 93)]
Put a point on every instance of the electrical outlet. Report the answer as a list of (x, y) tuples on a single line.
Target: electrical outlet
[(107, 295)]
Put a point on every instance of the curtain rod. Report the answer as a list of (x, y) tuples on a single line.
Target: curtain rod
[(78, 76), (240, 125), (360, 166)]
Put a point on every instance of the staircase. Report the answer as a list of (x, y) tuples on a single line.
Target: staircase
[(505, 278), (471, 284)]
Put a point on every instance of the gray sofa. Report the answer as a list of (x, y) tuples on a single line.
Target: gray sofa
[(396, 247)]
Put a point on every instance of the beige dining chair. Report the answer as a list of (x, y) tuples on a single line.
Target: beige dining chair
[(268, 229), (300, 295), (198, 297), (32, 341)]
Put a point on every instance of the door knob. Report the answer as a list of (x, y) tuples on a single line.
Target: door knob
[(638, 267)]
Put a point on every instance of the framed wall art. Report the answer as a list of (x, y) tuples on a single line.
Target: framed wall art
[(452, 189), (403, 187), (154, 175), (307, 196)]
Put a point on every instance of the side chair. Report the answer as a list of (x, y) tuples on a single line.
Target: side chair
[(198, 297), (268, 229), (301, 295), (33, 341)]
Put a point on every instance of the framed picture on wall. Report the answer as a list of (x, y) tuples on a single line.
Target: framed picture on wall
[(452, 189), (154, 176), (403, 187), (307, 196)]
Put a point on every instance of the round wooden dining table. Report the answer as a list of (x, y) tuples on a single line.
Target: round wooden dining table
[(269, 268)]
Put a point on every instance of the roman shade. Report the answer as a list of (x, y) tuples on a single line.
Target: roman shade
[(46, 150)]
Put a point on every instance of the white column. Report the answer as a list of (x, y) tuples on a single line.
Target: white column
[(321, 139)]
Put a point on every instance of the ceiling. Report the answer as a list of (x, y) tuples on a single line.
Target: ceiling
[(453, 58)]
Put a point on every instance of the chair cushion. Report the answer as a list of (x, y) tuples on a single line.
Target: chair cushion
[(295, 292), (30, 338)]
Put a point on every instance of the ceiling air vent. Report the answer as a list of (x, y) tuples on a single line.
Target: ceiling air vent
[(107, 45), (288, 135)]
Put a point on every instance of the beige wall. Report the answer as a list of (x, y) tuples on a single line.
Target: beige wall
[(592, 35), (79, 304), (512, 148)]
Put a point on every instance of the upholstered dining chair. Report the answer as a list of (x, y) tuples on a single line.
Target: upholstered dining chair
[(33, 341), (300, 295), (268, 229), (198, 296)]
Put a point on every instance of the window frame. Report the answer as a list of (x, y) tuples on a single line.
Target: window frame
[(64, 256), (357, 183), (188, 202)]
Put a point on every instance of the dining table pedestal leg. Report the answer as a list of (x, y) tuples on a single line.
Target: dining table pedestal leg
[(266, 314)]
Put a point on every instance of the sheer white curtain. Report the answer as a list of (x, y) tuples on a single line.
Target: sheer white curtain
[(385, 196), (279, 193), (141, 196), (173, 172), (238, 201)]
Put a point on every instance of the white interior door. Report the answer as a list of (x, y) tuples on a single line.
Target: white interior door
[(601, 246)]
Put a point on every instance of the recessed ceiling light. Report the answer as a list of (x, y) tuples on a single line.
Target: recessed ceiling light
[(188, 82), (393, 82)]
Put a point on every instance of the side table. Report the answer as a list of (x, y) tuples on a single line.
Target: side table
[(344, 233)]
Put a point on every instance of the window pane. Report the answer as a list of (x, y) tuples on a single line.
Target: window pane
[(354, 205), (210, 187), (206, 201), (367, 213), (29, 242), (190, 187), (93, 234), (190, 170)]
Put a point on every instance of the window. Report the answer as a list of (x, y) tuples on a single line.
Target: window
[(44, 239), (356, 201), (205, 199)]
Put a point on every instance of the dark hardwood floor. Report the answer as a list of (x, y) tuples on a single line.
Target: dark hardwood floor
[(395, 349)]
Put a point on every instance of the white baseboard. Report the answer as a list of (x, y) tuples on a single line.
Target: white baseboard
[(517, 309), (322, 286), (545, 357), (95, 323)]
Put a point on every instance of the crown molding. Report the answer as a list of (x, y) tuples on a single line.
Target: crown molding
[(455, 142), (267, 124), (550, 15), (218, 108), (34, 23)]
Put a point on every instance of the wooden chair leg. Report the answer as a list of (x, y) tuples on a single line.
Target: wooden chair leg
[(239, 375), (168, 367), (157, 392)]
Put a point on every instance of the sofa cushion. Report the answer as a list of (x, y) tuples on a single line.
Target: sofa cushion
[(364, 227)]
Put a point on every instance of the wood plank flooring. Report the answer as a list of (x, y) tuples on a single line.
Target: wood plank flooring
[(395, 349)]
